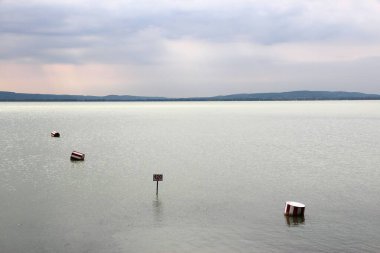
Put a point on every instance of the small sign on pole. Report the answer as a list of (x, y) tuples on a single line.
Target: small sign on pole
[(157, 177)]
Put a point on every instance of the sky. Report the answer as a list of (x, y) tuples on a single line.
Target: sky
[(183, 48)]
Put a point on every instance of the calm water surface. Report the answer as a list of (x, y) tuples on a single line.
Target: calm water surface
[(228, 169)]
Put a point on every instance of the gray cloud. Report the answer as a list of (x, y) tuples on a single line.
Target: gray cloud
[(208, 47), (39, 28)]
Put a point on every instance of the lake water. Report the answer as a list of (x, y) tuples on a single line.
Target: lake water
[(228, 169)]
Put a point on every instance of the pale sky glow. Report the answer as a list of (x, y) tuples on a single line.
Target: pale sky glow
[(190, 47)]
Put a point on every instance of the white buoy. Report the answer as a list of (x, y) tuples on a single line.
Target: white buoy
[(294, 208), (75, 155), (55, 134)]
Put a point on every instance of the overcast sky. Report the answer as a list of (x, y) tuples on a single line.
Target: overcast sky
[(182, 48)]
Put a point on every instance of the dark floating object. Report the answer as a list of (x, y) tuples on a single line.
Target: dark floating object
[(294, 208), (55, 134), (77, 156)]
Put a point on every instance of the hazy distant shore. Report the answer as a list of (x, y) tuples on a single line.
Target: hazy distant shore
[(280, 96)]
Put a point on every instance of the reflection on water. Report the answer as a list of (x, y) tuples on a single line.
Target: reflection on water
[(294, 221), (157, 207), (77, 164)]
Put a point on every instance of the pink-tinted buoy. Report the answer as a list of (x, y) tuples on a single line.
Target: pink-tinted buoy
[(55, 134), (294, 209), (77, 156)]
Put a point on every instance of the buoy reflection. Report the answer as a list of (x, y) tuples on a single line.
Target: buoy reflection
[(294, 220)]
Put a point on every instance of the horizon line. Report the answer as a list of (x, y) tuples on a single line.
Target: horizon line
[(192, 97)]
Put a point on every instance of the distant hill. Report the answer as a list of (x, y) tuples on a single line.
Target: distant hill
[(280, 96), (299, 95), (12, 96)]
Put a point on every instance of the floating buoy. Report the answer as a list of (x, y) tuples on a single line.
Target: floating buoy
[(77, 156), (55, 134), (294, 209)]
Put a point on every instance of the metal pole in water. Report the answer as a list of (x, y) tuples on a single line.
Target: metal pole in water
[(157, 177)]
